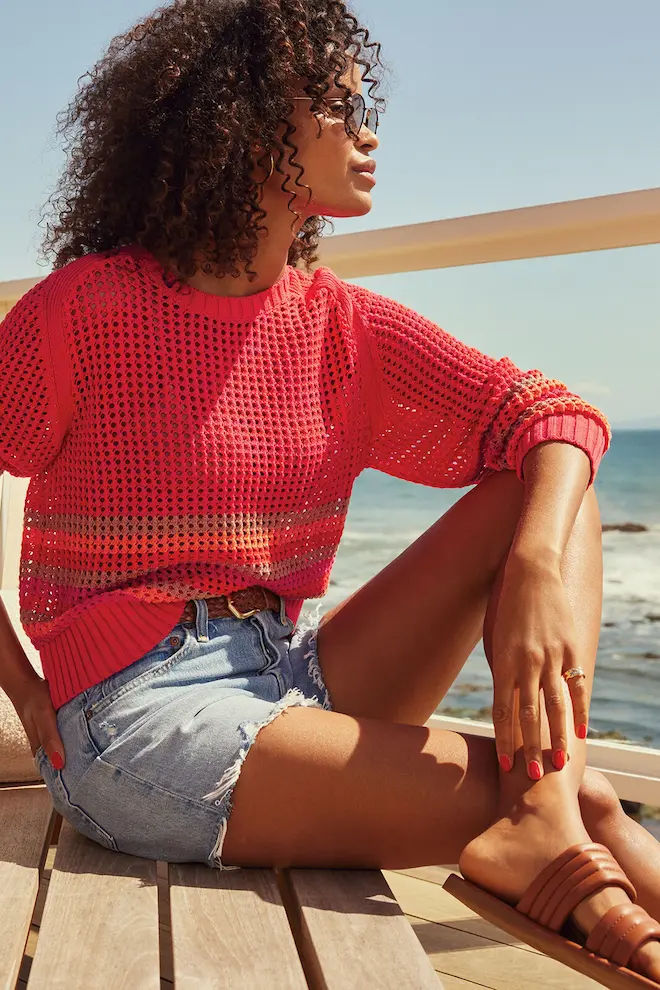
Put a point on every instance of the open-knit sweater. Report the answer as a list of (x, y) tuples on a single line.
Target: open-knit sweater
[(184, 445)]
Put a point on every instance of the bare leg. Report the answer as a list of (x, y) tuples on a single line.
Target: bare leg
[(394, 649), (631, 844), (389, 795), (329, 790), (536, 823), (449, 574)]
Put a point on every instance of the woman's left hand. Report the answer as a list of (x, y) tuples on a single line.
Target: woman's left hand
[(533, 644)]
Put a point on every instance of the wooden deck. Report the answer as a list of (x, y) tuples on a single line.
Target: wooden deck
[(468, 952), (465, 951)]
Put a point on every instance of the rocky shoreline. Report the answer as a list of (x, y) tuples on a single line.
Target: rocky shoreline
[(485, 715)]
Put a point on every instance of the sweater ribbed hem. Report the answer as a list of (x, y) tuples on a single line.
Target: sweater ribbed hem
[(567, 427), (107, 638)]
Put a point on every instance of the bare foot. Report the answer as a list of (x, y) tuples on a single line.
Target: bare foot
[(511, 854)]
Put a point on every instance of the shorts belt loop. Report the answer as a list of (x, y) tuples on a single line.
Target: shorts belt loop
[(283, 615), (202, 620)]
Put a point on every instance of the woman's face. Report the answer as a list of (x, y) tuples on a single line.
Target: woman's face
[(334, 161)]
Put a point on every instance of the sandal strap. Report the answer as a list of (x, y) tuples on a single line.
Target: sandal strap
[(536, 886), (575, 875), (588, 880), (621, 932)]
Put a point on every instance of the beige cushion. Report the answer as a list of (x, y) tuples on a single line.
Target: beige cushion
[(16, 762)]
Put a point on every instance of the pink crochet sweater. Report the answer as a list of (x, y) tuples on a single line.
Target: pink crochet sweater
[(182, 445)]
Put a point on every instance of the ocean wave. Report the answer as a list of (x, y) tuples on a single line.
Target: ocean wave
[(632, 568)]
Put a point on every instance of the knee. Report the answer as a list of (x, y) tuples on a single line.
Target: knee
[(598, 799), (504, 486)]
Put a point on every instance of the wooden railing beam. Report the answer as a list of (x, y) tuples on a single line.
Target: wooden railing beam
[(597, 224)]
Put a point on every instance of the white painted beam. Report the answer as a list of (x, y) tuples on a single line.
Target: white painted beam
[(633, 771), (11, 292), (596, 224), (12, 505)]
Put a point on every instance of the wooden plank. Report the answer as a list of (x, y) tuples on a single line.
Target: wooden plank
[(434, 874), (455, 983), (100, 923), (25, 815), (429, 902), (164, 927), (230, 930), (492, 965), (354, 932)]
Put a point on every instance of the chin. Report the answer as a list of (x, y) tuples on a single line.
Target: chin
[(357, 206)]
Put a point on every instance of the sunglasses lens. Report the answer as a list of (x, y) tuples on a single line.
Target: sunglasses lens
[(360, 116), (372, 120), (356, 119)]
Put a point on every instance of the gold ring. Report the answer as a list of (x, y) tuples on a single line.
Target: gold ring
[(573, 672)]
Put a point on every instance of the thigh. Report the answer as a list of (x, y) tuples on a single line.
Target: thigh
[(392, 650), (321, 789)]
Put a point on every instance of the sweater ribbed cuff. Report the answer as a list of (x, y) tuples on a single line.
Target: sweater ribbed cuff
[(567, 427)]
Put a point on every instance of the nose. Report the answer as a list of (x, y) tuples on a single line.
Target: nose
[(367, 140)]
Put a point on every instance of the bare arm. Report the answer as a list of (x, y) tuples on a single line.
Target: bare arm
[(16, 672), (556, 479), (534, 636), (28, 693)]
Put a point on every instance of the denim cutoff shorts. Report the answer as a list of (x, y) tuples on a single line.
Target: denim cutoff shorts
[(154, 751)]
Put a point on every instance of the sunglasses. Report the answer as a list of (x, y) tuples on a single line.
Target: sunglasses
[(354, 113)]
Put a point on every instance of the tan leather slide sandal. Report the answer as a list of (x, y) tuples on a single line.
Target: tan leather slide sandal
[(542, 916)]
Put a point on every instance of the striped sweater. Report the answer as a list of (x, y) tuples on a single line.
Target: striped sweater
[(183, 445)]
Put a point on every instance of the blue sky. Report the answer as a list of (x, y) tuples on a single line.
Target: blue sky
[(492, 106)]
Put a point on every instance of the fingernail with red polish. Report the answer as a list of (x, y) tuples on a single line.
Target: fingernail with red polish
[(57, 761), (582, 731), (559, 759), (535, 770), (506, 764)]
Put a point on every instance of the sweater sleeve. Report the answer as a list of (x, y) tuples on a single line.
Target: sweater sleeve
[(444, 414), (35, 403)]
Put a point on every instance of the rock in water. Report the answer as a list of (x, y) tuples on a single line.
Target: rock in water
[(625, 528)]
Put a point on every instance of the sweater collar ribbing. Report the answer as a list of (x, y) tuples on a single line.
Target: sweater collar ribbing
[(226, 309)]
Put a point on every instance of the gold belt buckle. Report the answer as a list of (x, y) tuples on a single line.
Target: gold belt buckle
[(239, 615)]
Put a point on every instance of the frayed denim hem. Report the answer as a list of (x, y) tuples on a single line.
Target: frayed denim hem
[(222, 795), (315, 674), (310, 623)]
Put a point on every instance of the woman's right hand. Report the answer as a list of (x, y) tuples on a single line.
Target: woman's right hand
[(34, 707)]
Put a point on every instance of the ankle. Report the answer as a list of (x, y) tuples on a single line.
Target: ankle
[(552, 798)]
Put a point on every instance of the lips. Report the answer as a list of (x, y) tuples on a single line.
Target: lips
[(369, 167)]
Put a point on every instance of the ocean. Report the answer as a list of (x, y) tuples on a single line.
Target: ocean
[(387, 514)]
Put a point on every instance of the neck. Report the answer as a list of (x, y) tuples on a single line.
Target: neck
[(269, 263)]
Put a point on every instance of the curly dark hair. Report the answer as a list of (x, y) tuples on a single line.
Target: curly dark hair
[(161, 136)]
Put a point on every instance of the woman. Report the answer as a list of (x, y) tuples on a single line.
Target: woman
[(201, 410)]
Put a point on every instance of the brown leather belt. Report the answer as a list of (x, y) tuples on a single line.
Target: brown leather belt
[(239, 604)]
